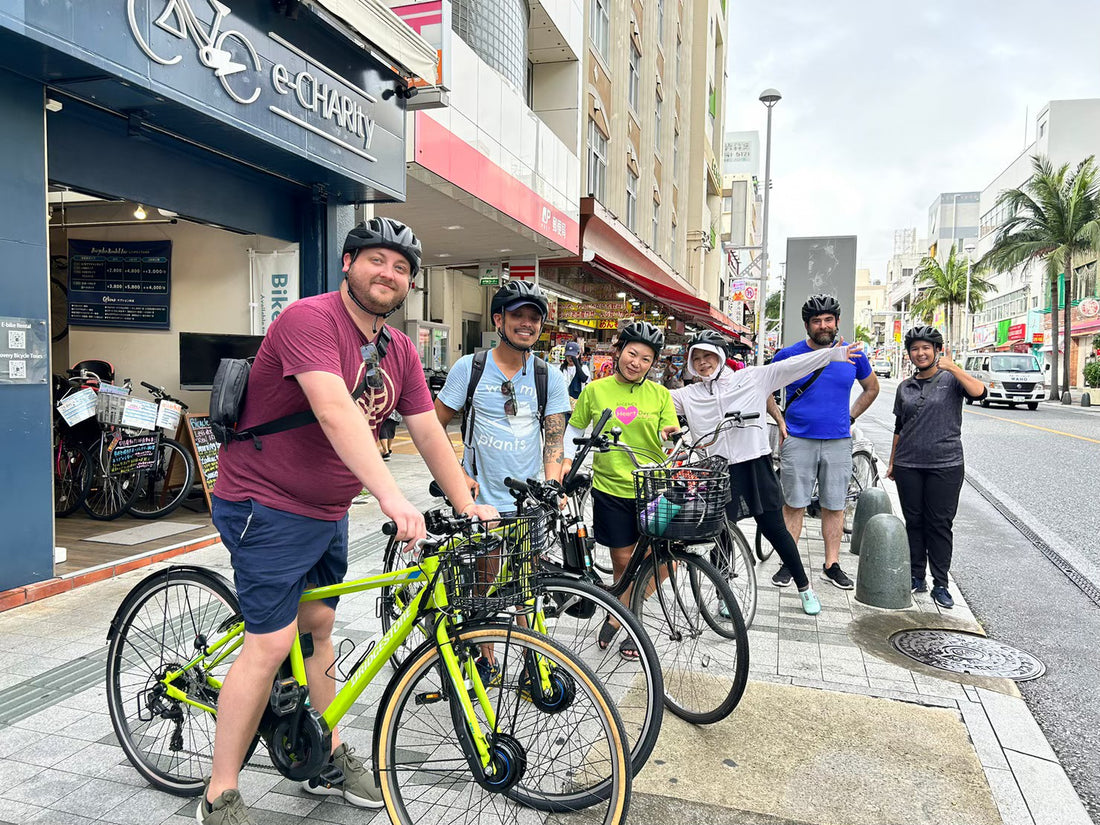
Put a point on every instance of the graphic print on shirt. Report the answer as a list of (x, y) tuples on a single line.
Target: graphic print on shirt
[(626, 414), (506, 433), (376, 404)]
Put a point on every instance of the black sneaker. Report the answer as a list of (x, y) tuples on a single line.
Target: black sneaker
[(837, 576), (782, 577), (919, 585), (942, 596)]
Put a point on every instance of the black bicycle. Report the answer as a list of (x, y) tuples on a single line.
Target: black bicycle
[(163, 487)]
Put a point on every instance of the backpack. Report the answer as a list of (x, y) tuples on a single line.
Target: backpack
[(477, 367), (227, 400)]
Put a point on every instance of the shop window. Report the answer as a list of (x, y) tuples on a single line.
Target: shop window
[(1084, 282), (635, 76), (631, 201)]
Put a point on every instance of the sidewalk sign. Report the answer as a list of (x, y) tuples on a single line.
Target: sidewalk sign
[(196, 435)]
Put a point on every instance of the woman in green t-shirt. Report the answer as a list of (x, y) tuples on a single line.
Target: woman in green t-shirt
[(643, 410)]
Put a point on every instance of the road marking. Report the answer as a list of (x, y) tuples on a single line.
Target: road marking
[(1034, 426)]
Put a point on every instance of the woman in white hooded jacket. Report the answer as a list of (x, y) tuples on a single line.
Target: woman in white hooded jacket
[(719, 390)]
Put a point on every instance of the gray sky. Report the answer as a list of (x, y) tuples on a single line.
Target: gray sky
[(886, 104)]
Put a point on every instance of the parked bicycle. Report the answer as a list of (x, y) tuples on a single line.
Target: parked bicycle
[(539, 732), (164, 486)]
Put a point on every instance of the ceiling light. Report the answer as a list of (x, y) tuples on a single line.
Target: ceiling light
[(168, 213), (443, 255), (505, 250), (654, 312), (140, 213), (452, 227), (620, 294)]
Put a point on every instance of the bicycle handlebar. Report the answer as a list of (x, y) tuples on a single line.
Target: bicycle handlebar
[(586, 445)]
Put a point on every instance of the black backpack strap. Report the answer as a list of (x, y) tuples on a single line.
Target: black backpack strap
[(542, 386), (286, 422), (798, 393)]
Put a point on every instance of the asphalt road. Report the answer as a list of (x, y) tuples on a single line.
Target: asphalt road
[(1044, 466)]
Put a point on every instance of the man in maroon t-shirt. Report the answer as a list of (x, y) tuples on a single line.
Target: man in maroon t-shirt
[(282, 510)]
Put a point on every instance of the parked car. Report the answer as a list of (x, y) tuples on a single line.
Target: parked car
[(882, 367), (1010, 378)]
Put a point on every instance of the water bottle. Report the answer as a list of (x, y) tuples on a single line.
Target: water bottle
[(658, 514)]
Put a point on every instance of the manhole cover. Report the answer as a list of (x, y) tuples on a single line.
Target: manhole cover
[(967, 653)]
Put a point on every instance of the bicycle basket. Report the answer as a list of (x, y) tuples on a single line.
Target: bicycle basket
[(686, 502), (495, 571)]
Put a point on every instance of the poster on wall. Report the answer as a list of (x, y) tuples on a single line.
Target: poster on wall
[(820, 265), (120, 284), (274, 285)]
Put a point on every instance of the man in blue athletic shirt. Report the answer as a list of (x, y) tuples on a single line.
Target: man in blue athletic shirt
[(818, 447)]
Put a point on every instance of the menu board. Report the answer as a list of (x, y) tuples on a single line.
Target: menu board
[(120, 283), (199, 437), (128, 455)]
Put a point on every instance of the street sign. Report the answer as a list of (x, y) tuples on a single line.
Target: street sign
[(490, 276)]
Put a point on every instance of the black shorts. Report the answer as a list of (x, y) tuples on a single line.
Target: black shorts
[(615, 520), (387, 429)]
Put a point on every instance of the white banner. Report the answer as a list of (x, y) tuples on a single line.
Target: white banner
[(274, 285)]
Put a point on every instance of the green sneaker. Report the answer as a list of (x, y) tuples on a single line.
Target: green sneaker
[(227, 809), (348, 776), (810, 605)]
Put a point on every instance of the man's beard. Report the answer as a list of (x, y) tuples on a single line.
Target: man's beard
[(365, 301), (824, 338)]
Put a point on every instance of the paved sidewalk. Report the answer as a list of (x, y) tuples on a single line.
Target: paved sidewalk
[(833, 728)]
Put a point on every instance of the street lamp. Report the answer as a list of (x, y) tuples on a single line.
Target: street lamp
[(969, 247), (769, 97)]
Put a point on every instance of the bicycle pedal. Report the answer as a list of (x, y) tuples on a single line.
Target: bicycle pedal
[(285, 697), (428, 698), (331, 775)]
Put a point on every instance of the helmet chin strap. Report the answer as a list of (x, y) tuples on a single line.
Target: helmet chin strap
[(633, 384), (383, 316)]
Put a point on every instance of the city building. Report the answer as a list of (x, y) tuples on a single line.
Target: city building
[(742, 210), (952, 219), (1017, 315), (870, 298)]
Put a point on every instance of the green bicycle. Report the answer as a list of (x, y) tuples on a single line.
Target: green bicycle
[(540, 733)]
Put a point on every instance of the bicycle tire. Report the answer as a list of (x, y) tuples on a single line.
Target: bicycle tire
[(163, 488), (704, 655), (156, 627), (109, 496), (574, 612), (730, 553), (864, 476), (762, 547), (425, 776), (72, 476)]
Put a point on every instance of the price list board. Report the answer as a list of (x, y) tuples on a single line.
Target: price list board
[(120, 283)]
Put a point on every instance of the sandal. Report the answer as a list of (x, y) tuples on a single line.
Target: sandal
[(629, 650), (606, 634)]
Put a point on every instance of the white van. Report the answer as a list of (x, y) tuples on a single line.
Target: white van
[(1010, 378)]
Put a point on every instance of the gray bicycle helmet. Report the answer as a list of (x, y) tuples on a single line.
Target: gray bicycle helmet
[(924, 332), (388, 234), (820, 305), (709, 336), (644, 333), (515, 294)]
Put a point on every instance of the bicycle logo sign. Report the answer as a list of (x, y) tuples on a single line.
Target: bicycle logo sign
[(236, 64)]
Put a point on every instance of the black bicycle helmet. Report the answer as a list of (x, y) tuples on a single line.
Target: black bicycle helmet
[(389, 234), (516, 293), (644, 333), (709, 336), (924, 332), (820, 305)]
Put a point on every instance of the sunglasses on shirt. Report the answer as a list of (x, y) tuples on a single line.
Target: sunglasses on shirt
[(510, 402), (372, 375)]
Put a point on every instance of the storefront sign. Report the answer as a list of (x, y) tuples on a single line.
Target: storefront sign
[(592, 311), (24, 351), (984, 336), (1017, 332), (1037, 338), (274, 285), (431, 19), (489, 276), (120, 284)]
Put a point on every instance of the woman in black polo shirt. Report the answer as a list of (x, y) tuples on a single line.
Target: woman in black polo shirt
[(927, 457)]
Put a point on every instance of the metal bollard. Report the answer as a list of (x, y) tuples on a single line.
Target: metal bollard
[(884, 578), (872, 501), (1067, 399), (1086, 398)]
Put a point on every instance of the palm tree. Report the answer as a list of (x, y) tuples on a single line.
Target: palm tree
[(945, 286), (863, 334), (1054, 218)]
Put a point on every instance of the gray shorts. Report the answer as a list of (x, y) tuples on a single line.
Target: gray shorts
[(802, 461)]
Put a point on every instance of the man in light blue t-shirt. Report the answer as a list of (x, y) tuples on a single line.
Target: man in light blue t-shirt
[(504, 436), (818, 446)]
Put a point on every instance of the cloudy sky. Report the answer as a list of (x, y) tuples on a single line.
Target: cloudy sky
[(887, 103)]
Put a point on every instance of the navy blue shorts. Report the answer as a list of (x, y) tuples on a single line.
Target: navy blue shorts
[(276, 555), (614, 519)]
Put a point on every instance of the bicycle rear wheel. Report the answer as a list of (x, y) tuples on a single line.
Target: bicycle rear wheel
[(72, 475), (563, 757), (730, 553), (692, 617), (574, 612), (109, 494), (864, 477), (162, 489), (162, 623)]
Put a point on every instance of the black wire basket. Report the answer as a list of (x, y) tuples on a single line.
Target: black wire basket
[(682, 503), (490, 572)]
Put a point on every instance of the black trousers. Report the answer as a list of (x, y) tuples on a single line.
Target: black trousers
[(929, 501), (771, 524)]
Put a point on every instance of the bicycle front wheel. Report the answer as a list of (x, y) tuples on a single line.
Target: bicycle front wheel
[(72, 475), (109, 494), (574, 612), (162, 489), (162, 624), (692, 617), (559, 758), (730, 553), (864, 477)]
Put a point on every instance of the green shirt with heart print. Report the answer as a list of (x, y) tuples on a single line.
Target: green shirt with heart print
[(641, 410)]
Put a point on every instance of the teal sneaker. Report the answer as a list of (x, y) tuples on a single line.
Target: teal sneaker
[(810, 605)]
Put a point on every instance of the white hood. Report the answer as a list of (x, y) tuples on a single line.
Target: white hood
[(705, 348)]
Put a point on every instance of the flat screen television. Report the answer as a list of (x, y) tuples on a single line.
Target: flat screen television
[(201, 352)]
